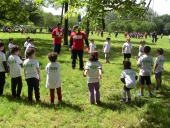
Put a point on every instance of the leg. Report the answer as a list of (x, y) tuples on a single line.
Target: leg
[(2, 82), (80, 54), (36, 89), (96, 87), (91, 92), (105, 57), (19, 81), (30, 88), (74, 57), (58, 48), (55, 47), (59, 93), (141, 82), (13, 87), (52, 95)]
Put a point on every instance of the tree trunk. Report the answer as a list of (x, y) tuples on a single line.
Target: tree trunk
[(87, 29), (66, 26), (61, 20)]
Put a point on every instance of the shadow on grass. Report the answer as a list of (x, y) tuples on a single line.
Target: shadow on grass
[(43, 104)]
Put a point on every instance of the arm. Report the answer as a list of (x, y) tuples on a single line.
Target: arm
[(100, 73), (38, 70), (87, 43), (155, 67), (123, 50), (138, 61), (85, 72), (5, 66), (24, 74)]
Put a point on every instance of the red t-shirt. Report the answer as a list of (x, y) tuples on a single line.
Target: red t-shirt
[(57, 32), (78, 40)]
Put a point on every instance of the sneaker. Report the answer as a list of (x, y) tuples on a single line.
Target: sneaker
[(139, 94), (150, 94), (123, 100), (92, 103), (156, 87), (129, 99), (98, 102)]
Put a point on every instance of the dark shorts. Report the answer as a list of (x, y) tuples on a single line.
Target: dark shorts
[(158, 75), (144, 79), (127, 89), (127, 55)]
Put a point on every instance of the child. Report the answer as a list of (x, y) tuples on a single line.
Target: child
[(93, 70), (11, 43), (128, 77), (92, 46), (106, 49), (127, 49), (14, 63), (32, 74), (141, 48), (145, 63), (3, 68), (53, 76), (26, 43), (158, 68), (30, 45), (3, 50)]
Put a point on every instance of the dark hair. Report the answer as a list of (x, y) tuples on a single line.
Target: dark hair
[(93, 56), (10, 39), (28, 38), (30, 51), (127, 64), (147, 49), (58, 24), (142, 41), (14, 49), (1, 44), (107, 38), (160, 50), (52, 56), (31, 40)]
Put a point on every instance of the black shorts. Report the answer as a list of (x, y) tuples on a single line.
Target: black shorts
[(144, 79), (158, 75), (127, 55), (127, 89)]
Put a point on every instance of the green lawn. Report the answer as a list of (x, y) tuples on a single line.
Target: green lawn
[(76, 111)]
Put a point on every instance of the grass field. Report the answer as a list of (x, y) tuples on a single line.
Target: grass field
[(75, 111)]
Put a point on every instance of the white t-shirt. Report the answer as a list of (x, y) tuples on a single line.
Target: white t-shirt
[(130, 78), (92, 47), (2, 59), (141, 48), (160, 61), (30, 66), (10, 45), (93, 71), (53, 75), (29, 46), (127, 47), (14, 66), (26, 43), (106, 47), (146, 62)]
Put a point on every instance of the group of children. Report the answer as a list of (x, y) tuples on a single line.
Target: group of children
[(93, 70)]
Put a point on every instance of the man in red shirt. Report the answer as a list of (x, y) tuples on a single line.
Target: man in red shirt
[(57, 35), (77, 38)]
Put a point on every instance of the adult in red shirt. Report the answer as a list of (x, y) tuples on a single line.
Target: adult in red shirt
[(57, 35), (77, 38)]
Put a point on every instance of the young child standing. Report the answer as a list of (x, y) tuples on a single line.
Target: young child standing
[(30, 45), (26, 43), (158, 68), (106, 49), (32, 74), (11, 43), (141, 48), (53, 80), (93, 71), (3, 68), (127, 49), (128, 77), (14, 63), (145, 63), (92, 46)]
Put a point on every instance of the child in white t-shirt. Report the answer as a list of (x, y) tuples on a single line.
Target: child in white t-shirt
[(141, 48), (92, 46), (127, 49), (11, 43), (32, 74), (93, 71), (26, 43), (158, 68), (106, 49), (53, 80), (145, 63), (14, 63), (128, 77), (3, 68), (30, 45)]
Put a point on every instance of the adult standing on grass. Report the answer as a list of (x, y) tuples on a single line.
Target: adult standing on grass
[(77, 38), (57, 35)]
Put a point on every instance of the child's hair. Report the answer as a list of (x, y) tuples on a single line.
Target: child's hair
[(1, 44), (128, 39), (91, 39), (27, 38), (160, 50), (10, 39), (127, 64), (147, 49), (31, 40), (93, 56), (14, 49), (52, 56), (30, 51), (142, 41), (58, 24), (107, 38)]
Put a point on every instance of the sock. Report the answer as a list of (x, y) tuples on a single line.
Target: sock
[(124, 94), (128, 93)]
